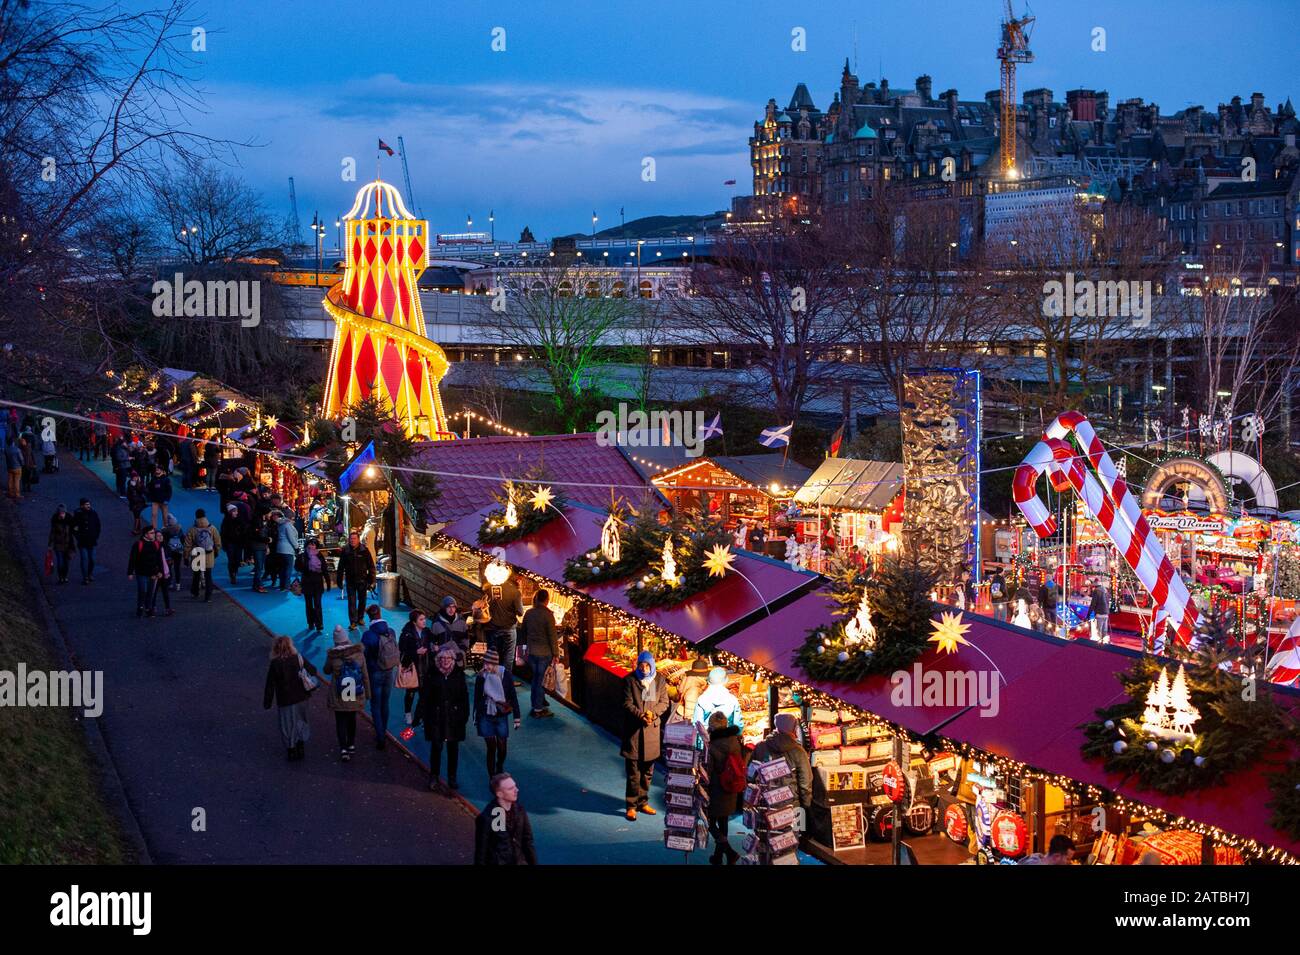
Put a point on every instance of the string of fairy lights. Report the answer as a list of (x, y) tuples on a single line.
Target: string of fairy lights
[(1250, 849)]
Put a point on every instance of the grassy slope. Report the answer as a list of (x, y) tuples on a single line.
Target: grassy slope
[(51, 810)]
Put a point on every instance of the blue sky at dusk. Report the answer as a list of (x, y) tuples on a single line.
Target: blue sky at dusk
[(557, 125)]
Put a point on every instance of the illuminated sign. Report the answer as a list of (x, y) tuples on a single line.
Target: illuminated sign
[(357, 467), (1186, 470)]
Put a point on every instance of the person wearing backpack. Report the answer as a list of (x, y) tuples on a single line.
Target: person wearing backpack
[(173, 542), (726, 768), (999, 596), (350, 690), (382, 658), (205, 537), (144, 566)]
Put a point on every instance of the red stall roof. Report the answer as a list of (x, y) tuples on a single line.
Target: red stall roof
[(1052, 688), (696, 619), (584, 468)]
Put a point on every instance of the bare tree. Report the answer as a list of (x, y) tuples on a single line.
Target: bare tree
[(782, 302), (1249, 343), (915, 294), (562, 318), (93, 103), (210, 215)]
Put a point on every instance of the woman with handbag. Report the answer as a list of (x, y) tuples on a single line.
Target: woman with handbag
[(315, 580), (495, 705), (444, 700), (289, 682), (411, 645)]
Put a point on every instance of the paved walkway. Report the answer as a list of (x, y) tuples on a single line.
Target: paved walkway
[(569, 771), (184, 723)]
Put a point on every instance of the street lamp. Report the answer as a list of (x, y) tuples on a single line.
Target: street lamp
[(318, 228), (338, 229), (593, 225), (492, 221)]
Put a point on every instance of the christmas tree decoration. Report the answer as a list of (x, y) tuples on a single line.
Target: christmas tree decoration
[(541, 498), (883, 623), (1285, 789), (718, 561), (611, 546), (683, 565), (1192, 730), (668, 573), (949, 633), (509, 522), (622, 553)]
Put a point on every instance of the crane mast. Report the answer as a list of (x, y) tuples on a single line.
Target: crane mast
[(406, 175), (295, 226), (1013, 49)]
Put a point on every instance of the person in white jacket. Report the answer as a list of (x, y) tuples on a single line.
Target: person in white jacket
[(718, 699)]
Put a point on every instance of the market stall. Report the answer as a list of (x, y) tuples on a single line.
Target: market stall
[(755, 490), (848, 503)]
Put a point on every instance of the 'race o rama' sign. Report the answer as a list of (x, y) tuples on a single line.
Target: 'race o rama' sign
[(1187, 523), (1186, 470)]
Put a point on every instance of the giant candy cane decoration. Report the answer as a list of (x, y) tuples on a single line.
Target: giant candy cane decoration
[(1107, 497)]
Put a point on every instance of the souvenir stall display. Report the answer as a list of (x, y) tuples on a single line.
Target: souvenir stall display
[(849, 503), (686, 794), (753, 489), (771, 813)]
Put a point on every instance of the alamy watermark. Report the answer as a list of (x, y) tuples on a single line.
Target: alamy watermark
[(1085, 298), (70, 688), (655, 429), (133, 910), (211, 299), (948, 688)]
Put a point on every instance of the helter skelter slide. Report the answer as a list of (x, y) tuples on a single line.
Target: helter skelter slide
[(380, 348), (1106, 495)]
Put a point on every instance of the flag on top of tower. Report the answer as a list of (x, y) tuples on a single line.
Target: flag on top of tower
[(386, 148), (776, 435)]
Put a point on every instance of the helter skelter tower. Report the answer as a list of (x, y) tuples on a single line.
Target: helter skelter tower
[(380, 348)]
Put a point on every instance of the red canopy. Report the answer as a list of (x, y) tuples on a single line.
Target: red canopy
[(1051, 689), (717, 609)]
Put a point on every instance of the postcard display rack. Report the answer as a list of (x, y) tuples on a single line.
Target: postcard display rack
[(686, 825), (850, 806), (772, 812)]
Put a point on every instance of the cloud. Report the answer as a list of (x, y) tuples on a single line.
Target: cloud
[(525, 146)]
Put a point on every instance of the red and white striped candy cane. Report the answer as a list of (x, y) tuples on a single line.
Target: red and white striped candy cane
[(1110, 502)]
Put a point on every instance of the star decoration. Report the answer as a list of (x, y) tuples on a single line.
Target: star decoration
[(949, 632), (718, 561), (542, 498), (272, 421)]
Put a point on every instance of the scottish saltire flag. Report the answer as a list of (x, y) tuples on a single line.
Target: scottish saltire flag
[(775, 436), (713, 429)]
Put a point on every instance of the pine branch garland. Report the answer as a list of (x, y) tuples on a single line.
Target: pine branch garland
[(1239, 722), (694, 537), (901, 612), (495, 531), (641, 542)]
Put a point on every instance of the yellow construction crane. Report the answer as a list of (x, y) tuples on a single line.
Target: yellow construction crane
[(1013, 49)]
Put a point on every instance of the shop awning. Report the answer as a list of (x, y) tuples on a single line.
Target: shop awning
[(847, 484), (1052, 688), (585, 468), (706, 615)]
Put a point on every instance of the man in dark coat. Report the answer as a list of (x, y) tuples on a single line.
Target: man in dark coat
[(645, 701), (357, 574), (724, 747), (444, 699), (502, 833), (85, 528), (785, 743)]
